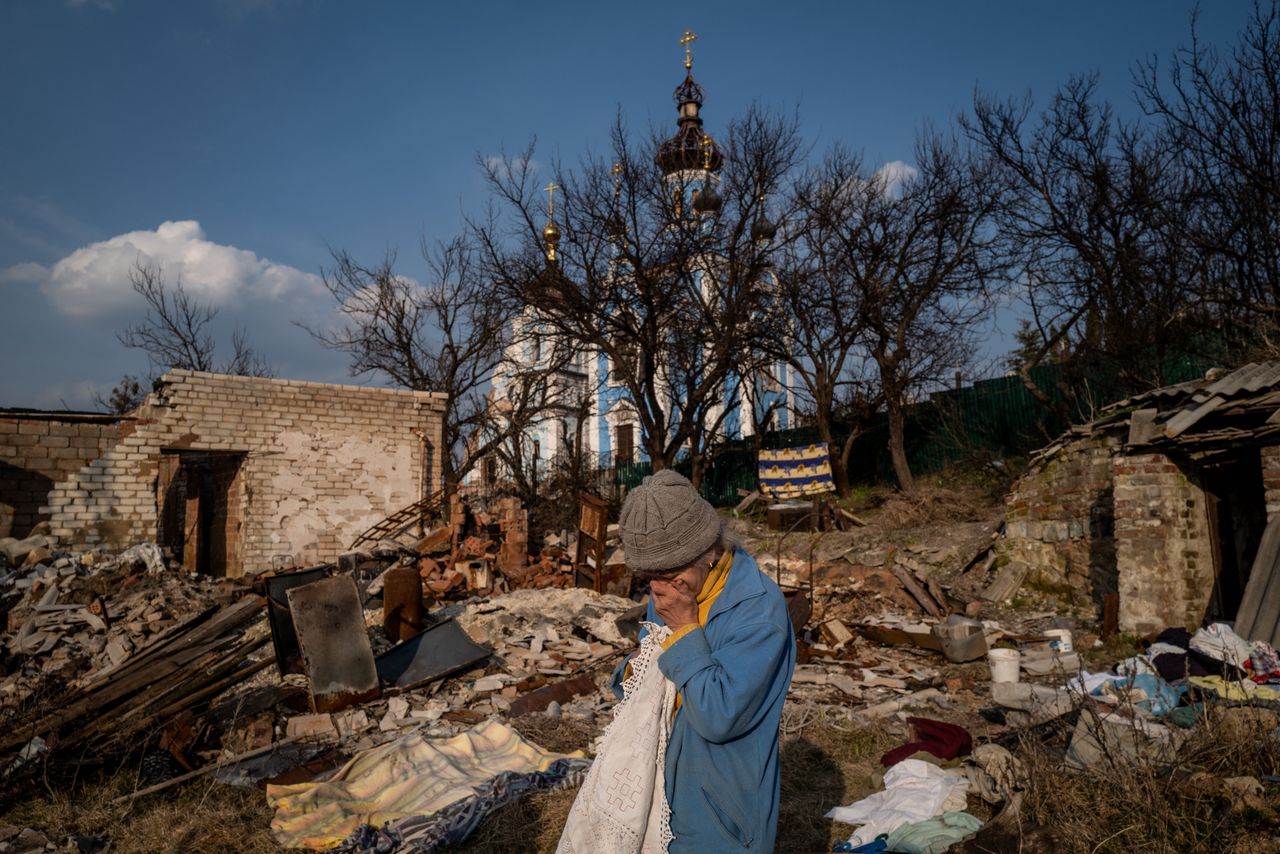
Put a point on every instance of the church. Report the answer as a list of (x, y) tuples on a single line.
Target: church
[(591, 411)]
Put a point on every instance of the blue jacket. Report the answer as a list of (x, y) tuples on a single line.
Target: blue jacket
[(733, 675)]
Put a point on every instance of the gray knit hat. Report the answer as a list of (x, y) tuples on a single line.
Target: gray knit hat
[(666, 524)]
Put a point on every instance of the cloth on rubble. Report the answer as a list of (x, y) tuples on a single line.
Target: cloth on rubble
[(1136, 666), (1238, 690), (914, 791), (1264, 661), (993, 772), (1144, 691), (410, 776), (1086, 682), (454, 823), (1173, 666), (622, 807), (1220, 643), (933, 835), (943, 740), (722, 775), (367, 839), (874, 847), (1186, 716)]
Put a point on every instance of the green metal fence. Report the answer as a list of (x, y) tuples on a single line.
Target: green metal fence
[(989, 420)]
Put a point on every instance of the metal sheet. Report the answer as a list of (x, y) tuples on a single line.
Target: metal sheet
[(283, 638), (335, 644), (431, 654)]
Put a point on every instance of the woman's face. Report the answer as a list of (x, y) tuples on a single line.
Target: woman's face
[(692, 576)]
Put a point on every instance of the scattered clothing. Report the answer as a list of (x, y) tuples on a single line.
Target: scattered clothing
[(1173, 666), (994, 773), (934, 835), (1220, 643), (622, 807), (1236, 690), (410, 776), (870, 848), (457, 821), (1145, 691), (943, 740), (914, 791), (1086, 682), (1264, 661)]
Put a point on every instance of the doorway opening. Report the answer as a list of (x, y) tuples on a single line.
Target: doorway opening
[(1237, 510), (200, 498)]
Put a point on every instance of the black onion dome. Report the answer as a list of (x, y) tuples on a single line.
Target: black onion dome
[(684, 150)]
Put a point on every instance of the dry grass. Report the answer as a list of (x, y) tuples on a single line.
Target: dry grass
[(203, 816), (1145, 804)]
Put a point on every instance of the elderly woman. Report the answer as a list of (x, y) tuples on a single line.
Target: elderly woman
[(730, 655)]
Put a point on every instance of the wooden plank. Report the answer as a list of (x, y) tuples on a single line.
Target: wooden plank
[(213, 766), (746, 502), (913, 587), (1260, 604), (1007, 582), (175, 655)]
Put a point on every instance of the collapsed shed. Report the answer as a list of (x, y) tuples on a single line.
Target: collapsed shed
[(227, 473), (1161, 501)]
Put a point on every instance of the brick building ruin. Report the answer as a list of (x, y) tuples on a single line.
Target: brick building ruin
[(228, 473), (1162, 500)]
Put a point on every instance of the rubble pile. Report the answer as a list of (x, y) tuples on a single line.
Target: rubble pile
[(76, 617)]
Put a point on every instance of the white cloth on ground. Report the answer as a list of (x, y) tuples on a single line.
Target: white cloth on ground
[(1219, 642), (1086, 681), (914, 790), (622, 807)]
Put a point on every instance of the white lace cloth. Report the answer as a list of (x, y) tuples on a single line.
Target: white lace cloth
[(622, 807)]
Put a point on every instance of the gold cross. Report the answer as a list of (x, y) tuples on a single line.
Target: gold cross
[(687, 40), (617, 178), (550, 189)]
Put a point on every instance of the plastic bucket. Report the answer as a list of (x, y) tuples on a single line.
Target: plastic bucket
[(1003, 664), (1060, 640)]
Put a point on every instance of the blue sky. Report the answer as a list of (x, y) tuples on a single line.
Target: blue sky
[(265, 131)]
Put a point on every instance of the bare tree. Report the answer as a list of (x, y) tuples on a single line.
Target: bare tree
[(917, 251), (670, 294), (175, 333), (1091, 216), (1222, 114), (819, 325), (447, 336)]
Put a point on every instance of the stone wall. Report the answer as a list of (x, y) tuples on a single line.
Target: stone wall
[(301, 468), (1163, 544), (1058, 520), (41, 449)]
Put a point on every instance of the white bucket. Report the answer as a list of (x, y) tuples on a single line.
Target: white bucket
[(1003, 664), (1060, 640)]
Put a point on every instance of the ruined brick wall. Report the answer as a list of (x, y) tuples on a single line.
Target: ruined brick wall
[(1271, 479), (41, 449), (1058, 519), (1163, 547), (318, 464)]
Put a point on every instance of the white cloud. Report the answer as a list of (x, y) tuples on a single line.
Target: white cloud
[(29, 273), (893, 175), (94, 280)]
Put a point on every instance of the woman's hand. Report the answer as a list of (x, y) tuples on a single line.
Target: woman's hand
[(675, 602)]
